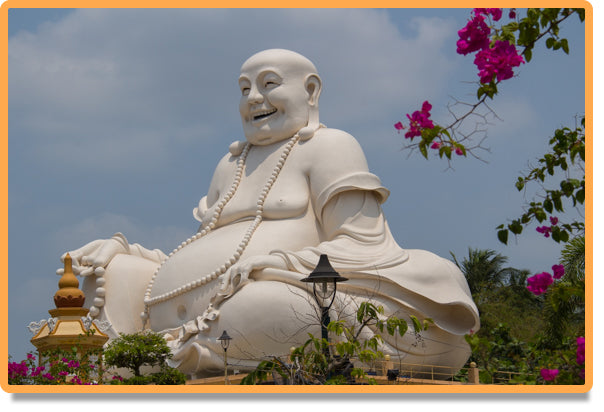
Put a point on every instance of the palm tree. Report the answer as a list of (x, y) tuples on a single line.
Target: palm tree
[(500, 293), (565, 302), (483, 269)]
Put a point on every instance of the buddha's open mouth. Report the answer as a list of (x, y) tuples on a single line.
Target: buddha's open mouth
[(263, 115)]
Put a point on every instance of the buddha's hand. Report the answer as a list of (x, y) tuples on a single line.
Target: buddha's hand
[(96, 255), (239, 273)]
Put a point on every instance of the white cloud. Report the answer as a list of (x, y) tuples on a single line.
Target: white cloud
[(164, 237), (100, 92)]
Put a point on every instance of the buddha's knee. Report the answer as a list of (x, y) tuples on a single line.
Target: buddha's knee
[(267, 318)]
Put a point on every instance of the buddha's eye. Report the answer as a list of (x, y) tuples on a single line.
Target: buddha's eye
[(270, 84), (245, 91)]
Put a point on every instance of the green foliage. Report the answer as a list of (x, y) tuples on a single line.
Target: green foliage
[(564, 306), (567, 149), (319, 362), (135, 350), (500, 293), (538, 24)]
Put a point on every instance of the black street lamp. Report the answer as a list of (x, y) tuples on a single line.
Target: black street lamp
[(225, 341), (324, 279)]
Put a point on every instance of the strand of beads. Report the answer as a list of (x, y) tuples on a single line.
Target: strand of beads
[(150, 301)]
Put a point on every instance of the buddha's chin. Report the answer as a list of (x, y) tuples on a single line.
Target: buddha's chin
[(265, 140)]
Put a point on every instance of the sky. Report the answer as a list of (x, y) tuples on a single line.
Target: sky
[(117, 118)]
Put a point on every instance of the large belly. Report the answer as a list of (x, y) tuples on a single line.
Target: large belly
[(202, 257)]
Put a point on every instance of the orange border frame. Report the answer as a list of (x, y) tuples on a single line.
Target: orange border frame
[(373, 389)]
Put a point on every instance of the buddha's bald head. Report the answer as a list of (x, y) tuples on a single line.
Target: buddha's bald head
[(285, 59), (279, 95)]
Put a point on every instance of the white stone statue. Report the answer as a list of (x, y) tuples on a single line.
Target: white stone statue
[(292, 191)]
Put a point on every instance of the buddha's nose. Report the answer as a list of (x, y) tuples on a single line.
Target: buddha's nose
[(255, 96)]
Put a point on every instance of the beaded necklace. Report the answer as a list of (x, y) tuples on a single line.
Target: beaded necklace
[(150, 301)]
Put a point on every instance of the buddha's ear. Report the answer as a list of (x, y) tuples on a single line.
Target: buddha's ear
[(313, 86)]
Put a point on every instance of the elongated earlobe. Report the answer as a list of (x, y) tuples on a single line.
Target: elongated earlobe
[(313, 86)]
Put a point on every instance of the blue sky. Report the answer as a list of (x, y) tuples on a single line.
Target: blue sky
[(118, 117)]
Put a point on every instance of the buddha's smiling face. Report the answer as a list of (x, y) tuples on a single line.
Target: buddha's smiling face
[(275, 96)]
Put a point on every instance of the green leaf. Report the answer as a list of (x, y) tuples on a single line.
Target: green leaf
[(548, 205), (580, 196), (502, 235), (516, 227), (423, 149), (417, 326), (549, 43), (540, 215), (528, 55), (564, 44)]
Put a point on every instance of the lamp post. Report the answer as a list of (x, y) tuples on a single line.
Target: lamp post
[(324, 279), (225, 341)]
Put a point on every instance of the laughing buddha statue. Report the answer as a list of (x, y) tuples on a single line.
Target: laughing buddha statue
[(292, 191)]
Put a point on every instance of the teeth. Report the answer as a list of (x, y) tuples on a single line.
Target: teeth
[(265, 113)]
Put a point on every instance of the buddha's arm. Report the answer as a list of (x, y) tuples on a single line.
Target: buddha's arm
[(355, 233)]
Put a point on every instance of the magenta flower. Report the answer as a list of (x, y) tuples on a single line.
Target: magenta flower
[(512, 14), (419, 120), (549, 374), (37, 371), (48, 376), (580, 350), (435, 145), (539, 283), (497, 62), (17, 369), (399, 126), (30, 356), (495, 13), (546, 230), (554, 220), (474, 36), (63, 373), (558, 271), (458, 151), (117, 377), (73, 364)]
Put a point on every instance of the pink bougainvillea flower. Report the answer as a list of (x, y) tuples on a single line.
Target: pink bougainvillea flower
[(546, 230), (37, 371), (549, 374), (495, 13), (73, 364), (48, 376), (399, 126), (558, 271), (419, 120), (435, 145), (30, 356), (474, 36), (63, 373), (554, 220), (497, 62), (580, 350), (512, 14), (539, 283), (458, 151), (17, 369)]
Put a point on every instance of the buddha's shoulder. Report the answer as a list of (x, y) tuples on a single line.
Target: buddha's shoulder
[(329, 140)]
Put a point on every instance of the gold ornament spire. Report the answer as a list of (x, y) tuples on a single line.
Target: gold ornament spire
[(69, 295)]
